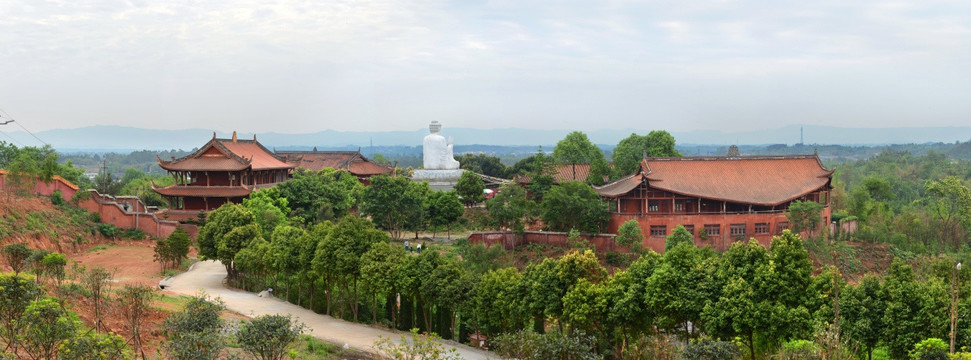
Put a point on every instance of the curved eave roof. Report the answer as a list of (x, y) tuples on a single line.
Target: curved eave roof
[(756, 180), (620, 187)]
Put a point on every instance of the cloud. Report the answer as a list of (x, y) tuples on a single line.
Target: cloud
[(297, 66)]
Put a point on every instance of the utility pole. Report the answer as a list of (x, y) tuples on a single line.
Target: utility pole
[(954, 301)]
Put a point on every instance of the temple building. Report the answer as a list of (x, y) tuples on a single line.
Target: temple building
[(352, 161), (718, 199), (221, 171)]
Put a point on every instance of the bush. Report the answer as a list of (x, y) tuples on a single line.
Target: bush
[(193, 333), (267, 337), (618, 259), (930, 349), (710, 350), (56, 198), (414, 347), (132, 233), (799, 350), (528, 345), (107, 230)]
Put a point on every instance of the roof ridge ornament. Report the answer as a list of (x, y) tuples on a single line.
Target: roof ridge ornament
[(234, 136), (214, 135)]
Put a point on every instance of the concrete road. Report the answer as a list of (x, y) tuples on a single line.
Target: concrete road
[(208, 276)]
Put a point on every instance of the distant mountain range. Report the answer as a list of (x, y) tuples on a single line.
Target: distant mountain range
[(120, 138)]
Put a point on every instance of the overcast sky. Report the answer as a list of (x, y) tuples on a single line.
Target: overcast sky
[(305, 66)]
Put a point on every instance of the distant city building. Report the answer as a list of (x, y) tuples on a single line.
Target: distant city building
[(731, 198), (221, 171)]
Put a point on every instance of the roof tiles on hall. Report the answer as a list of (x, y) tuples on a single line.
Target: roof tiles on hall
[(352, 161), (757, 180), (232, 155), (562, 173)]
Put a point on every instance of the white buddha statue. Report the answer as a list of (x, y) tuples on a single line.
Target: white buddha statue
[(437, 154)]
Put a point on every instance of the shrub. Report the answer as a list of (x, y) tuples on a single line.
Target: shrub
[(267, 337), (930, 349), (799, 350), (414, 347), (710, 350), (107, 230), (132, 233), (528, 345), (193, 332), (618, 259), (56, 198)]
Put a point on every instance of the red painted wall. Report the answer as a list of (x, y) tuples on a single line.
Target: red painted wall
[(721, 242), (123, 211)]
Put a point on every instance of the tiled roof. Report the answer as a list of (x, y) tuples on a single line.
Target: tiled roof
[(203, 191), (757, 180), (562, 173), (620, 186), (227, 155), (352, 161)]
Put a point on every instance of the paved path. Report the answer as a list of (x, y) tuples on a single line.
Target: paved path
[(208, 276)]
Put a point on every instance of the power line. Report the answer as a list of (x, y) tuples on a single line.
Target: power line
[(12, 120), (11, 137)]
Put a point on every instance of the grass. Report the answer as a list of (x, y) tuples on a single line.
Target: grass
[(310, 348), (100, 247)]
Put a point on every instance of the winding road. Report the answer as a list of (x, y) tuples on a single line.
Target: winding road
[(208, 276)]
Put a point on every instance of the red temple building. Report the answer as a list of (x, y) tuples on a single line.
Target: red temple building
[(352, 161), (221, 171), (718, 199)]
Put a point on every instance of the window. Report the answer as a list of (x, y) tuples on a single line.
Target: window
[(783, 225), (659, 230), (713, 229), (652, 205), (690, 228), (679, 206), (737, 229), (761, 228)]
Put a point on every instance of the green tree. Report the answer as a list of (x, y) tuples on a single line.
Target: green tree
[(193, 333), (573, 205), (414, 347), (380, 266), (678, 236), (496, 303), (805, 216), (16, 256), (628, 153), (905, 322), (179, 243), (87, 345), (629, 235), (470, 188), (392, 202), (448, 288), (483, 164), (340, 254), (47, 329), (675, 291), (135, 302), (98, 282), (16, 293), (444, 208), (283, 257), (740, 308), (269, 209), (600, 172), (626, 294), (862, 308), (316, 196), (228, 229), (267, 336), (53, 265), (508, 207), (23, 173), (951, 205), (575, 149)]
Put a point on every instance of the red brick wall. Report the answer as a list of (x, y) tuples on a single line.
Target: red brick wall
[(721, 242), (113, 210)]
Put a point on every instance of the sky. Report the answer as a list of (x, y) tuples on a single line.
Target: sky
[(306, 66)]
